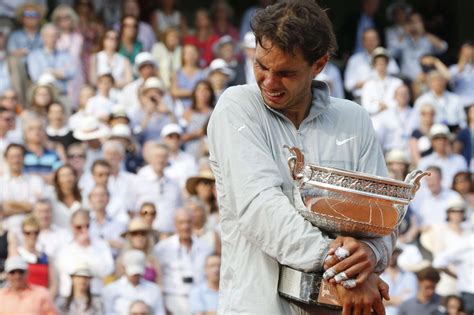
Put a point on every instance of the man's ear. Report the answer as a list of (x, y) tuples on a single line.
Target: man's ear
[(319, 65)]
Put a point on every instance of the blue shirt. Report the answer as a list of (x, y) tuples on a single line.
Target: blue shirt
[(40, 61), (203, 299), (19, 39), (44, 164)]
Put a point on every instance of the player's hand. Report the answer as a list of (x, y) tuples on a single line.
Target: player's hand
[(365, 298), (358, 263)]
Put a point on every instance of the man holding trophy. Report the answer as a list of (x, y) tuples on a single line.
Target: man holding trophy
[(262, 231)]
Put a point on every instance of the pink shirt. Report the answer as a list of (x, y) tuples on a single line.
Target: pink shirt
[(34, 300)]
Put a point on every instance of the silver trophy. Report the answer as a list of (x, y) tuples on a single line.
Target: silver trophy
[(341, 202)]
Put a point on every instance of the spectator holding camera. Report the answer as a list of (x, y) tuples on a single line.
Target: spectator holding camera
[(462, 74)]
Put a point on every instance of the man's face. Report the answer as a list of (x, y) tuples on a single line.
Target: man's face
[(7, 121), (212, 268), (370, 40), (42, 212), (440, 144), (9, 100), (34, 133), (147, 70), (183, 225), (14, 159), (80, 227), (434, 182), (173, 141), (438, 84), (158, 159), (101, 174), (426, 288), (17, 279), (284, 80), (50, 37), (113, 156), (98, 198)]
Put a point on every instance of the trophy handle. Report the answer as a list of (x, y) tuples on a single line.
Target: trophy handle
[(295, 162), (414, 179)]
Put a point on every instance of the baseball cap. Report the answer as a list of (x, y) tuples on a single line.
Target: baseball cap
[(249, 40), (456, 203), (134, 262), (154, 83), (170, 129), (438, 131), (15, 263)]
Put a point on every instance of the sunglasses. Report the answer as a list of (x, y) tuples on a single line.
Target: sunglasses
[(20, 271), (76, 156), (29, 233), (80, 227), (31, 14), (134, 25), (136, 233), (146, 212)]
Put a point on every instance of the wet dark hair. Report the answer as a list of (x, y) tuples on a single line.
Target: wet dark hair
[(296, 24), (428, 273)]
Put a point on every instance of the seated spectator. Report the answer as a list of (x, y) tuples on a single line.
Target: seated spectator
[(148, 213), (140, 236), (123, 134), (17, 291), (203, 186), (99, 175), (84, 249), (76, 157), (40, 267), (226, 49), (420, 144), (166, 17), (26, 39), (204, 297), (101, 104), (103, 225), (129, 46), (462, 74), (430, 203), (10, 100), (359, 70), (108, 60), (51, 236), (7, 123), (120, 294), (448, 106), (428, 64), (221, 15), (378, 91), (86, 93), (464, 186), (426, 301), (197, 115), (67, 197), (449, 163), (182, 164), (220, 76), (158, 188), (332, 76), (7, 242), (168, 54), (402, 284), (460, 255), (81, 300), (201, 229), (149, 118), (57, 129), (19, 190), (391, 131), (452, 305), (185, 79), (203, 38), (440, 237), (416, 43), (397, 14), (181, 249), (244, 69), (38, 158), (397, 164), (139, 307), (42, 95), (50, 60)]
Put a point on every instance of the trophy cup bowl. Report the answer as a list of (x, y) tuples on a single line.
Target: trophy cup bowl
[(342, 202)]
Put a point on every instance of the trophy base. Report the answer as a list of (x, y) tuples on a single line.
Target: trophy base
[(308, 288)]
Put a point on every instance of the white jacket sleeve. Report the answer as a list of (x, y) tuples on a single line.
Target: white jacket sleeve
[(249, 184)]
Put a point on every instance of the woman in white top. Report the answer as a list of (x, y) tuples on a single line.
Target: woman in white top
[(166, 17), (168, 54), (68, 196), (108, 60)]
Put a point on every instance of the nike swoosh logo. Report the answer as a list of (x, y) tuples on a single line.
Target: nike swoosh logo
[(341, 142)]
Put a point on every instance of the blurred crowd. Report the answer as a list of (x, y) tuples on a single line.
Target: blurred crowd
[(107, 200)]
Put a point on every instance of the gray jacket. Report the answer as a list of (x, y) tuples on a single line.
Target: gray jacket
[(260, 226)]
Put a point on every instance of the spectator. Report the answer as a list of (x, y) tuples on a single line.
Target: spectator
[(166, 17), (10, 101), (204, 297), (100, 105), (81, 301), (332, 76), (103, 225), (397, 13), (226, 48), (140, 236), (391, 131), (185, 79), (222, 14), (426, 301), (156, 187), (50, 60), (86, 92), (67, 195), (203, 187), (26, 39), (462, 74), (19, 190), (182, 164), (139, 307), (402, 284), (430, 203), (448, 106), (120, 294), (203, 37), (397, 164), (168, 54), (420, 144), (201, 229), (196, 117), (57, 129), (359, 70), (460, 255), (7, 123), (449, 163), (244, 69), (220, 76), (452, 305), (181, 249), (463, 185), (42, 96), (130, 46), (123, 134), (428, 64), (76, 157), (83, 249), (416, 43), (108, 60), (6, 249), (51, 236), (17, 291), (148, 214)]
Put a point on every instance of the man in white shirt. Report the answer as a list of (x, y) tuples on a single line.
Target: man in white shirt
[(182, 165), (119, 295), (449, 163), (205, 296), (448, 106), (359, 69), (18, 191), (182, 258), (94, 252), (51, 237), (158, 188)]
